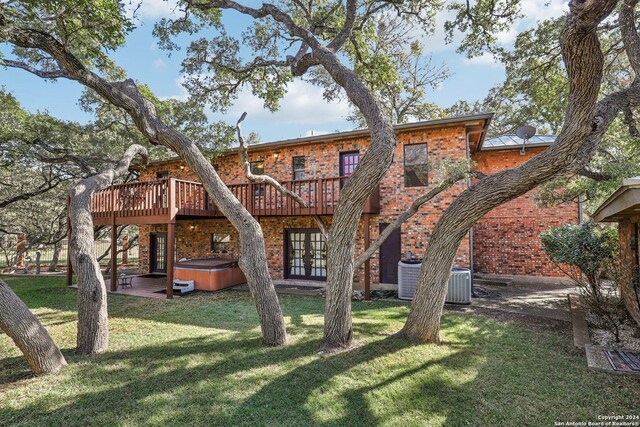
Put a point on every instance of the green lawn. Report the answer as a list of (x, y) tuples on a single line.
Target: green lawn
[(199, 361)]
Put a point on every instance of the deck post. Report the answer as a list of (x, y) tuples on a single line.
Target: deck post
[(367, 263), (114, 255), (171, 236), (69, 266)]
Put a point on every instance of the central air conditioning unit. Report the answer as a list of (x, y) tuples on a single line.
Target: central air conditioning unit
[(459, 286)]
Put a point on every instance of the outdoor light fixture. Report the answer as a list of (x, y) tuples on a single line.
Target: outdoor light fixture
[(276, 154), (181, 167)]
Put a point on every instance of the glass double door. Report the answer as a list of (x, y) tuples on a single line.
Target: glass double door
[(158, 252), (306, 254)]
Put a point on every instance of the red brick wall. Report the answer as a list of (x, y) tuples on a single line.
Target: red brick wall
[(322, 160), (506, 241)]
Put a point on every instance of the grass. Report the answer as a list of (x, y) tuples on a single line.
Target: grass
[(199, 361)]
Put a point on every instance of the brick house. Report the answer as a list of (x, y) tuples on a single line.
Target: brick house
[(168, 200)]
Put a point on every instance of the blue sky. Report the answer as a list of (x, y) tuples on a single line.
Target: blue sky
[(302, 111)]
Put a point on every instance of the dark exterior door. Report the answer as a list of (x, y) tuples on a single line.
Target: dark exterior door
[(390, 256), (305, 254), (158, 253)]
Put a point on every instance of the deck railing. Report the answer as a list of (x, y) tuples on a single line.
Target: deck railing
[(171, 197)]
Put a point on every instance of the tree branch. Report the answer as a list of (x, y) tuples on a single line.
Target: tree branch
[(49, 185), (52, 74), (269, 180), (596, 176), (404, 217), (347, 28)]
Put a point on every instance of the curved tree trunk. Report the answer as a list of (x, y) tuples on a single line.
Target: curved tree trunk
[(93, 325), (253, 256), (125, 95), (338, 331), (42, 354), (55, 258), (575, 145)]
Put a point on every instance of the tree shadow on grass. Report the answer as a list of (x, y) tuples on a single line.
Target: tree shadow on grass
[(486, 374), (211, 380)]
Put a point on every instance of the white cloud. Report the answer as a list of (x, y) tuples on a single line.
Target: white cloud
[(484, 59), (303, 104), (159, 63), (152, 9)]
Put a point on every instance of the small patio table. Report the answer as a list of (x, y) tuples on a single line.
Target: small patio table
[(125, 281)]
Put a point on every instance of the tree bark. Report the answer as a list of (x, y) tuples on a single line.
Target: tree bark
[(55, 258), (125, 95), (93, 325), (42, 354), (575, 145)]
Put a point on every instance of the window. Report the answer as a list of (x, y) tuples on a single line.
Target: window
[(298, 168), (220, 242), (348, 162), (416, 168), (162, 175), (257, 168)]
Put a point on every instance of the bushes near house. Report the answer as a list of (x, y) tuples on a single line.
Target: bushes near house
[(589, 256)]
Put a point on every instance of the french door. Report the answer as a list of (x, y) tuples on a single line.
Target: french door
[(158, 253), (305, 254)]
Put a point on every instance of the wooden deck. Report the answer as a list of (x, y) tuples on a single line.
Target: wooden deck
[(163, 201), (147, 287)]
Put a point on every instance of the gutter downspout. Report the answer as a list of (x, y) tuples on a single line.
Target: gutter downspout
[(473, 132)]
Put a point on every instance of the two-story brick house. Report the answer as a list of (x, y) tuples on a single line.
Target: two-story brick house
[(168, 200)]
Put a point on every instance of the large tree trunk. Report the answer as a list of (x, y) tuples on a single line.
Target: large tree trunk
[(126, 95), (575, 145), (42, 354), (93, 325), (338, 331), (253, 257)]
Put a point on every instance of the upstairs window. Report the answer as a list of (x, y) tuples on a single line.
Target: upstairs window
[(416, 168), (257, 168), (348, 162), (220, 242), (299, 164)]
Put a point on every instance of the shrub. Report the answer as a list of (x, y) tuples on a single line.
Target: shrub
[(589, 255)]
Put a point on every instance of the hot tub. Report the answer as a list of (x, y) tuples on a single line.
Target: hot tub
[(209, 274)]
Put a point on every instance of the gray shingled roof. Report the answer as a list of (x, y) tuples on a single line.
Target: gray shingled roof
[(512, 141)]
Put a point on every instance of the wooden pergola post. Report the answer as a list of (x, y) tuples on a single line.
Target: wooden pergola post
[(114, 255), (367, 263), (171, 236)]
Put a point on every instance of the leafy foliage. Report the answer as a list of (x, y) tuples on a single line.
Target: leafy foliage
[(589, 248), (593, 252)]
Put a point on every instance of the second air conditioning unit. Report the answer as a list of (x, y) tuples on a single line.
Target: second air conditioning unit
[(458, 289)]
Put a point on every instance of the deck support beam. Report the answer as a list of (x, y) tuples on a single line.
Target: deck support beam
[(367, 263), (114, 256), (171, 237)]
